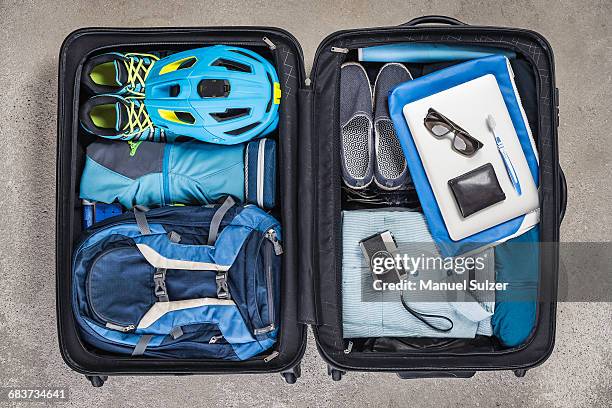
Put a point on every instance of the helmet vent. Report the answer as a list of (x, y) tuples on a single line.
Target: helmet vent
[(185, 117), (231, 113), (241, 53), (178, 65), (231, 65), (174, 91), (188, 63), (239, 131), (214, 88)]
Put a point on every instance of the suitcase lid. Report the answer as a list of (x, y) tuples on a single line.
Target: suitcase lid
[(318, 112)]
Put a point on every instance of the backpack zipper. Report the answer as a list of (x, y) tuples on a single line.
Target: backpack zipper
[(270, 235), (123, 329), (215, 339)]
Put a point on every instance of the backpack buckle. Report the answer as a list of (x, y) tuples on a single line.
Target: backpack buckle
[(222, 287), (159, 278)]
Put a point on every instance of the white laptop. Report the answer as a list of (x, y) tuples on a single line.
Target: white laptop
[(468, 105)]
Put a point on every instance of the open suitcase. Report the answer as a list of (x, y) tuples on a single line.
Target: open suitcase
[(310, 199)]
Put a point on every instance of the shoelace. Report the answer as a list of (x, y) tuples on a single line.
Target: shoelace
[(138, 69), (138, 118)]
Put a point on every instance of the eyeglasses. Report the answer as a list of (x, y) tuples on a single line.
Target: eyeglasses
[(440, 126)]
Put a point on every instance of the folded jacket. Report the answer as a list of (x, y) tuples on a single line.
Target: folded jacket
[(158, 174)]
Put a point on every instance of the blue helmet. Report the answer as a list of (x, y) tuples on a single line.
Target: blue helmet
[(219, 94)]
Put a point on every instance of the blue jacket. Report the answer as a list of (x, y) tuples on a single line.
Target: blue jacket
[(159, 174)]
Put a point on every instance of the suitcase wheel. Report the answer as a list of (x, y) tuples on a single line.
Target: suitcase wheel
[(290, 378), (292, 374), (335, 374), (520, 373), (97, 380)]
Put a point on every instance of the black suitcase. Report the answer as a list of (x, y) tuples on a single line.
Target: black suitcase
[(310, 198)]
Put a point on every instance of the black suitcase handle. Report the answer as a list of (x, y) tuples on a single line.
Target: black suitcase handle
[(433, 20), (563, 192), (409, 375)]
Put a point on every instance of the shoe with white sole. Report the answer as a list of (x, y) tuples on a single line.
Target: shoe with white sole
[(357, 142), (390, 170)]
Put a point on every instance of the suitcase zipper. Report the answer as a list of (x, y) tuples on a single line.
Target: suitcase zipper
[(340, 50), (246, 173), (269, 43), (271, 356)]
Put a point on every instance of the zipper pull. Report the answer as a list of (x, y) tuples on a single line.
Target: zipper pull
[(340, 50), (264, 330), (307, 82), (271, 357), (349, 347), (123, 329), (214, 339), (271, 236), (270, 43)]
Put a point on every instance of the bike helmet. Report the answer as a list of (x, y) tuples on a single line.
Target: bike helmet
[(219, 94)]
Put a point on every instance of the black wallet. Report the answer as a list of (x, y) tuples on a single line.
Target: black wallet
[(476, 190)]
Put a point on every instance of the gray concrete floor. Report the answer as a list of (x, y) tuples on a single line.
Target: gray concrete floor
[(577, 374)]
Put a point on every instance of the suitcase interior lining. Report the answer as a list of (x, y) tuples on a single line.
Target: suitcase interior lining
[(392, 352), (290, 343)]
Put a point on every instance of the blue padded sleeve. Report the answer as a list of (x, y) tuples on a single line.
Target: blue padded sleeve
[(431, 84)]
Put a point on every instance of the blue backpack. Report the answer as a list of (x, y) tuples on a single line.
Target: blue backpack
[(180, 282)]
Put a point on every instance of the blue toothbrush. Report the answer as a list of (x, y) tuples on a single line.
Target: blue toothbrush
[(504, 154)]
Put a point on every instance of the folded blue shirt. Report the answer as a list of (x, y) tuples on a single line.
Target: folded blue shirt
[(382, 313)]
